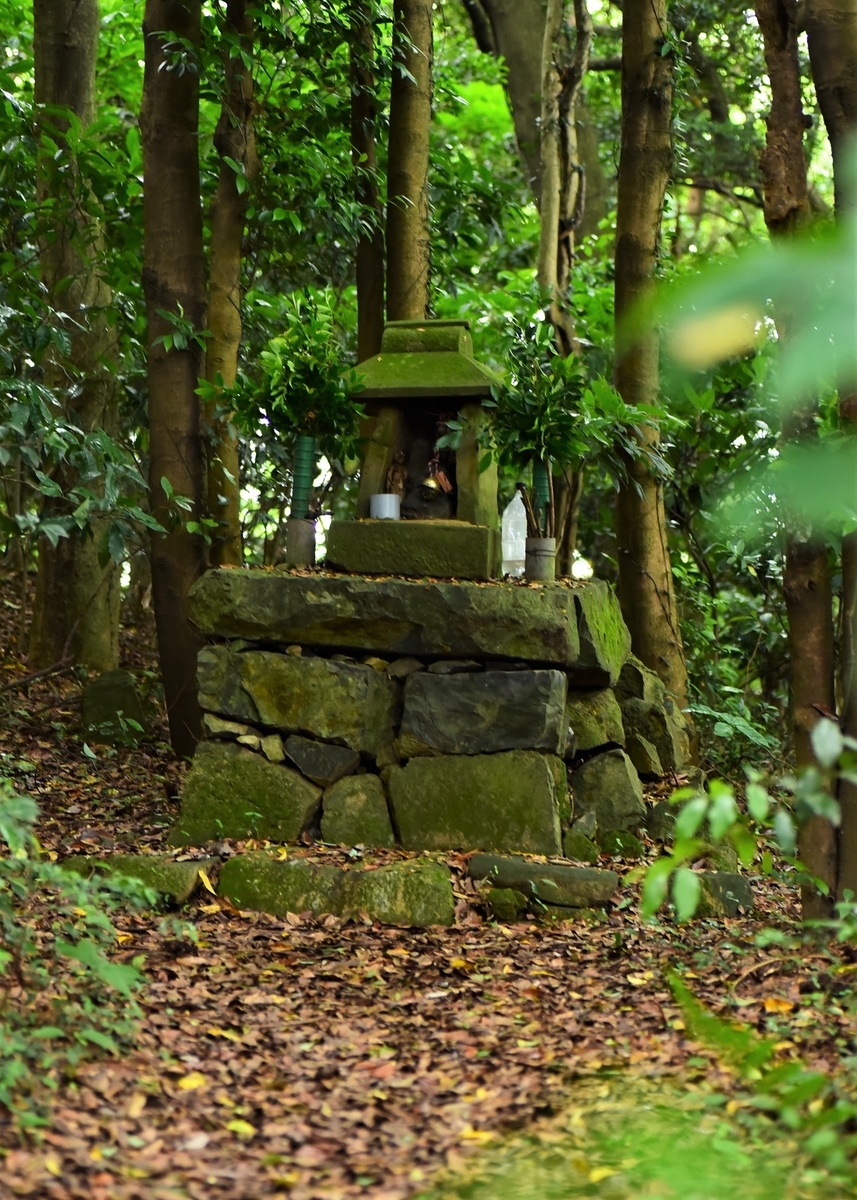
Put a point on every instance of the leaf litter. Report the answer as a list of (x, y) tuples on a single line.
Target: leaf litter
[(323, 1059)]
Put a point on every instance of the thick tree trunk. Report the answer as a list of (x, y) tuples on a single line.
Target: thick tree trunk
[(370, 243), (174, 282), (408, 246), (646, 590), (806, 577), (76, 603), (831, 30), (234, 140)]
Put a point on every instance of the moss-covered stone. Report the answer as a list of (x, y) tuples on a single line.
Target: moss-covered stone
[(262, 882), (383, 435), (663, 725), (595, 719), (549, 914), (108, 704), (644, 755), (724, 894), (177, 881), (660, 821), (355, 813), (344, 702), (578, 846), (622, 843), (404, 893), (483, 713), (232, 792), (605, 641), (506, 904), (608, 786), (440, 549), (393, 616), (476, 482), (321, 762), (637, 682), (490, 801), (550, 883)]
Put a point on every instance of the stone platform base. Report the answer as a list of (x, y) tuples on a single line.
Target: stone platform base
[(444, 549)]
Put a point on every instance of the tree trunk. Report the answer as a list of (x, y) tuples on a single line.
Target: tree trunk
[(370, 242), (549, 153), (806, 577), (76, 603), (234, 140), (408, 246), (174, 282), (831, 30), (646, 591)]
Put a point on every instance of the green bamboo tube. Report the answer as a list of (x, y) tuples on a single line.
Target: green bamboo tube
[(303, 475), (541, 488)]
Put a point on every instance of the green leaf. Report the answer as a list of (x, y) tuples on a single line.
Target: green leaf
[(686, 891), (98, 1039), (827, 743), (758, 801)]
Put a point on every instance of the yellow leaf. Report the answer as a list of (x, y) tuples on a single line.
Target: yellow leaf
[(288, 1180), (243, 1129), (776, 1004), (640, 980), (52, 1164), (458, 963), (210, 908), (136, 1104), (79, 912), (95, 1154), (225, 1033), (189, 1083), (599, 1173), (122, 938), (476, 1135), (206, 882), (134, 1173), (417, 1175), (700, 342)]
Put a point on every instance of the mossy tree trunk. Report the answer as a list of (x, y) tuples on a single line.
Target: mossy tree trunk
[(76, 602), (174, 283), (408, 246), (646, 590), (235, 143)]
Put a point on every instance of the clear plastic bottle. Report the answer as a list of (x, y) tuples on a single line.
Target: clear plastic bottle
[(514, 537)]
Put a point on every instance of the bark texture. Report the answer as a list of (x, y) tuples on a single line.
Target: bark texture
[(174, 282), (831, 30), (233, 139), (806, 576), (646, 591), (76, 602), (370, 243), (408, 246)]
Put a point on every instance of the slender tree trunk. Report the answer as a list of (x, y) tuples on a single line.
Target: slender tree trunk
[(831, 28), (235, 143), (549, 152), (370, 243), (646, 590), (408, 246), (806, 577), (174, 282), (76, 603)]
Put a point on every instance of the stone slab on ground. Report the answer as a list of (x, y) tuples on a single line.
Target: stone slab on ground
[(107, 702), (355, 813), (404, 893), (404, 617), (177, 881), (321, 762), (345, 702), (551, 883), (502, 801), (439, 549), (608, 786), (484, 713), (595, 719), (232, 792), (724, 894)]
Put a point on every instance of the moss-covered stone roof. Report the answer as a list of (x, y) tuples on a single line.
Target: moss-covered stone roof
[(425, 359)]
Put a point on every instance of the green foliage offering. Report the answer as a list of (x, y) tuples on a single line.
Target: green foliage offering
[(303, 387), (61, 997)]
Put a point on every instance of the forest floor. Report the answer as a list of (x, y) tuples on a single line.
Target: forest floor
[(333, 1060)]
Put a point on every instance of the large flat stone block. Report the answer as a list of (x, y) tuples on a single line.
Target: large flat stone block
[(355, 813), (484, 713), (403, 617), (443, 549), (342, 702), (485, 802), (552, 883), (608, 786), (403, 893), (232, 792)]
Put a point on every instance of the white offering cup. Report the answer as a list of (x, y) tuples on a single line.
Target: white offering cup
[(385, 506)]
